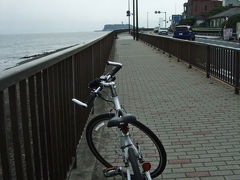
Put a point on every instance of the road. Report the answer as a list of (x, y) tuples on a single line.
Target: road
[(219, 42), (212, 40)]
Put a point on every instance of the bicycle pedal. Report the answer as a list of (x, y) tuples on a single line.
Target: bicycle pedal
[(112, 171)]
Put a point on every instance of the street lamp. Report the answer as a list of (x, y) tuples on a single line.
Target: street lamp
[(128, 14), (147, 19), (137, 20), (159, 12)]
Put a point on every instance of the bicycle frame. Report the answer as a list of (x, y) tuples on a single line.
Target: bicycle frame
[(125, 140)]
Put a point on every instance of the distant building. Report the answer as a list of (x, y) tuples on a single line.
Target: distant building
[(199, 9), (218, 19), (231, 3)]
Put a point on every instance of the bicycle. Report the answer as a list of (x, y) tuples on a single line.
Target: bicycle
[(134, 138)]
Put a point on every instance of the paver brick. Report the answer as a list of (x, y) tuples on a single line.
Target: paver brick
[(221, 172), (213, 178), (232, 177), (195, 165), (180, 161), (206, 168), (194, 178), (174, 175), (230, 167), (181, 142), (198, 174), (202, 132)]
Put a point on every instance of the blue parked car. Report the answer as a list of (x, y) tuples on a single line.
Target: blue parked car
[(184, 32)]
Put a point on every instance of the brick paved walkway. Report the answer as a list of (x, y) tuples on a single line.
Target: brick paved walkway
[(197, 119)]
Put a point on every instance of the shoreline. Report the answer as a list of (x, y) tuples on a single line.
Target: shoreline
[(37, 56)]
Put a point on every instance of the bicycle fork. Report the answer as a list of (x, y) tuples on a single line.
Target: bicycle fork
[(125, 144)]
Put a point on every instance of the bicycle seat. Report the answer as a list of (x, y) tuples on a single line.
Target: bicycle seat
[(116, 121)]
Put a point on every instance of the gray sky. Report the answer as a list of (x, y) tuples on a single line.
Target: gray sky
[(33, 16)]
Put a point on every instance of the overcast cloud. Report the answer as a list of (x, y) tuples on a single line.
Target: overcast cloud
[(41, 16)]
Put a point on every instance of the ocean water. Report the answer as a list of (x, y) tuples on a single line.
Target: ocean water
[(14, 47)]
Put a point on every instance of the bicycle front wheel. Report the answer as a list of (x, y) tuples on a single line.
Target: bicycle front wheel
[(104, 144)]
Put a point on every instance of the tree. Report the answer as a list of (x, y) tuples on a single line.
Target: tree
[(232, 21)]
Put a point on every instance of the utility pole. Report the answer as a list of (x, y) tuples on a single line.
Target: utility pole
[(165, 19), (147, 20), (137, 20), (129, 16), (134, 19)]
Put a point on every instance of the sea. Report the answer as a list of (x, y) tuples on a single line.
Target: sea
[(17, 48)]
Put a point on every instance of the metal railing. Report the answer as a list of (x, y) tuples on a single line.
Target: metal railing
[(208, 31), (219, 61), (39, 126)]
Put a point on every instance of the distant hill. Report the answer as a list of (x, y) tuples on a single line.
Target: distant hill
[(112, 27)]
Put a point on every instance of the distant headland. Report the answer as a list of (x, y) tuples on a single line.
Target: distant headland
[(112, 27)]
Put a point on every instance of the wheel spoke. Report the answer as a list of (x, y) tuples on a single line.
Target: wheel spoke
[(104, 143)]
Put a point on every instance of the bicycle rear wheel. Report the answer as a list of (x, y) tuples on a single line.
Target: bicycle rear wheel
[(104, 144)]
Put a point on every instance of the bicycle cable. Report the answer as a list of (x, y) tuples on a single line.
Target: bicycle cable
[(107, 100)]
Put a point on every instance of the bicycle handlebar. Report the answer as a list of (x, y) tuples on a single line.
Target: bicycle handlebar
[(96, 84)]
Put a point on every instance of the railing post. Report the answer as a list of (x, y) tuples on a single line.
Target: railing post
[(6, 173), (237, 74), (134, 34), (74, 109), (93, 70), (169, 53), (177, 51), (208, 62), (189, 56), (163, 45)]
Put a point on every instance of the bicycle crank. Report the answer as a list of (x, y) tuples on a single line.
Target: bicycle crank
[(112, 171)]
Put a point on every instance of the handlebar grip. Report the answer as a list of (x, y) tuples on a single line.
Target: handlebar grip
[(114, 63), (115, 70), (91, 97), (79, 103)]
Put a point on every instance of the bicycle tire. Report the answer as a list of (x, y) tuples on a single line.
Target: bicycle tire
[(98, 121), (133, 160)]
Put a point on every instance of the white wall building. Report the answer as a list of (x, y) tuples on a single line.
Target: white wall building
[(231, 2)]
